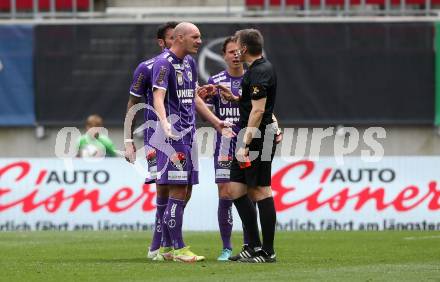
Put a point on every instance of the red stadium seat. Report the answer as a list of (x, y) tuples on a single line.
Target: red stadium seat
[(44, 5)]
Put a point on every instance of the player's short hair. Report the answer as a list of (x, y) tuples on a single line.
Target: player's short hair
[(163, 28), (94, 120), (226, 42), (253, 39)]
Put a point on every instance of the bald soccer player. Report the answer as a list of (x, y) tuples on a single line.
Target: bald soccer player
[(175, 100)]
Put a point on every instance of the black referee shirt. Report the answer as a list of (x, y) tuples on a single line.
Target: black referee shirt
[(260, 81)]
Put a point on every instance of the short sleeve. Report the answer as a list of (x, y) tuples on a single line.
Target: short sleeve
[(161, 71), (141, 78), (259, 83)]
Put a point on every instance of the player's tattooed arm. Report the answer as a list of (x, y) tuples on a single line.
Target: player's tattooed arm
[(226, 93)]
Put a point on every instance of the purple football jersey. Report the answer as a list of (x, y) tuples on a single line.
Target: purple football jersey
[(225, 110), (141, 87), (179, 78)]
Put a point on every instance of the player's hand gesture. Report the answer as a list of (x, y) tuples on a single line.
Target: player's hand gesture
[(130, 152), (226, 93), (206, 91), (225, 128), (167, 128), (242, 155)]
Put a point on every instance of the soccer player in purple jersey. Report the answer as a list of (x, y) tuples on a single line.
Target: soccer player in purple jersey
[(225, 147), (141, 88), (175, 100)]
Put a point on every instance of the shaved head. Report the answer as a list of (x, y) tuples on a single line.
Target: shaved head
[(187, 39), (184, 28)]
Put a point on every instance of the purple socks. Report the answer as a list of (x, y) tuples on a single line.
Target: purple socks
[(161, 204), (173, 219), (224, 214)]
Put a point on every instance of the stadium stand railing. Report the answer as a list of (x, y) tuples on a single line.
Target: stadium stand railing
[(52, 9)]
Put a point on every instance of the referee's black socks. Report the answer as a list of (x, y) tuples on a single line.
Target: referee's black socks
[(248, 216), (268, 220)]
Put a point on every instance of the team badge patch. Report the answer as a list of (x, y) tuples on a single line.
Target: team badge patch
[(224, 161), (178, 160), (179, 77), (190, 76), (162, 73), (236, 83), (151, 157), (255, 90)]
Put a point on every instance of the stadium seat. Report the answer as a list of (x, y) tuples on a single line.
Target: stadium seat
[(44, 5)]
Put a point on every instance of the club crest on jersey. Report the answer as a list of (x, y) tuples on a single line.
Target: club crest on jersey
[(179, 77), (161, 76), (224, 161), (178, 160), (236, 83), (151, 157), (190, 76)]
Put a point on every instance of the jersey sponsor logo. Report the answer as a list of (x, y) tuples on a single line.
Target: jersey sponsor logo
[(162, 73), (179, 77), (218, 79), (178, 160), (224, 161), (139, 81), (186, 96), (178, 175), (232, 119), (232, 112), (226, 84), (222, 173)]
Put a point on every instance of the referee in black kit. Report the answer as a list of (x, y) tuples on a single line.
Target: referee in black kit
[(251, 173)]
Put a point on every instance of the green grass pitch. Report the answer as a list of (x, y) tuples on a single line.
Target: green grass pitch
[(302, 256)]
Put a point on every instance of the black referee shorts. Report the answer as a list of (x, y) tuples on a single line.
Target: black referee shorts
[(260, 171)]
